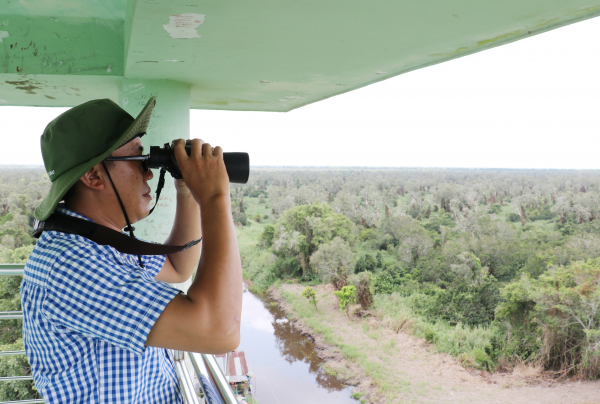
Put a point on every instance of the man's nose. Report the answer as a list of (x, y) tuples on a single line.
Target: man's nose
[(148, 175)]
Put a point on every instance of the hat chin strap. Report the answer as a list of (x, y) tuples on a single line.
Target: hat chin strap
[(129, 227)]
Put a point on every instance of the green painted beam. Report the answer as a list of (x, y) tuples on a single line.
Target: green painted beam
[(267, 55), (62, 46), (55, 90)]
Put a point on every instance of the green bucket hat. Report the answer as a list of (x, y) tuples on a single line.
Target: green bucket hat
[(82, 137)]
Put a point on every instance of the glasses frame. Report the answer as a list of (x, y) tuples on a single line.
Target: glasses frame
[(143, 158)]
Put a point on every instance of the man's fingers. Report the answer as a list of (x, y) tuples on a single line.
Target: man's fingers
[(179, 150), (196, 148), (206, 150), (218, 151)]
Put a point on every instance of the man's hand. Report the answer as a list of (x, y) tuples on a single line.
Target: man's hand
[(203, 170)]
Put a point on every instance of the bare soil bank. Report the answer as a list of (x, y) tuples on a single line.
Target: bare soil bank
[(398, 368)]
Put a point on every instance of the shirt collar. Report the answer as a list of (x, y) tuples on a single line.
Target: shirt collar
[(65, 211)]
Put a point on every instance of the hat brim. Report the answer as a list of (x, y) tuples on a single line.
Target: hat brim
[(62, 184)]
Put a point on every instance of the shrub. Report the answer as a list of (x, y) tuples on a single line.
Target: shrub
[(346, 296), (365, 263), (513, 217), (362, 283), (367, 234), (389, 279), (266, 238), (310, 294), (495, 208), (240, 218), (555, 320)]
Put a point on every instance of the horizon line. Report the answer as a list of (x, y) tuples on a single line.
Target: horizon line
[(365, 168)]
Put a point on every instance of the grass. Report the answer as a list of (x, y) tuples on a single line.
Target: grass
[(373, 362), (469, 344)]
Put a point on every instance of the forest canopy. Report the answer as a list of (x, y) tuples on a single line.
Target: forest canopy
[(492, 266), (451, 246)]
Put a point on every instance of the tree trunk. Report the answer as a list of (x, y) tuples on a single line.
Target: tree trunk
[(304, 264)]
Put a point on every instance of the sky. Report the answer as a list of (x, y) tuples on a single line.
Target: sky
[(533, 103)]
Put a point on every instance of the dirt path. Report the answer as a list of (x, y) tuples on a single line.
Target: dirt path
[(405, 369)]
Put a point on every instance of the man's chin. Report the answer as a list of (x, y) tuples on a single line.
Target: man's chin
[(146, 209)]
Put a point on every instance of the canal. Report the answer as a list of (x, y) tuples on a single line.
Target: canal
[(284, 363)]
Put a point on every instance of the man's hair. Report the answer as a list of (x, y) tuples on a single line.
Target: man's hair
[(73, 192)]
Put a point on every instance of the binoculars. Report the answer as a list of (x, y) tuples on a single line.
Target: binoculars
[(237, 164)]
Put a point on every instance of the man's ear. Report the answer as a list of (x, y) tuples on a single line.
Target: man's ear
[(94, 178)]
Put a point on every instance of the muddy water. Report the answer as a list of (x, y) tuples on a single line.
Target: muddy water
[(284, 363)]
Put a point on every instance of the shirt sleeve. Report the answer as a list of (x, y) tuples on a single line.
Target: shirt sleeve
[(97, 294), (153, 263)]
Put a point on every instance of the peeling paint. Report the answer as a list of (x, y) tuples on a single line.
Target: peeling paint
[(381, 72), (291, 96), (3, 34), (265, 81), (183, 26), (27, 86), (174, 60)]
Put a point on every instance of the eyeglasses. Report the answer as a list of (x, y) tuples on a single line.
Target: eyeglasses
[(143, 158)]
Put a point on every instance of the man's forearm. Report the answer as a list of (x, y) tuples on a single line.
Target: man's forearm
[(186, 228), (207, 318), (218, 282)]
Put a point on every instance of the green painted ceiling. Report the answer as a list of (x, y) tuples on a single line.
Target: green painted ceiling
[(267, 55)]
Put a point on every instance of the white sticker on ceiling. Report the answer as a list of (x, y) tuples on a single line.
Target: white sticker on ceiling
[(3, 34), (183, 26)]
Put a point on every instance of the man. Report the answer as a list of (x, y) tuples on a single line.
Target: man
[(96, 321)]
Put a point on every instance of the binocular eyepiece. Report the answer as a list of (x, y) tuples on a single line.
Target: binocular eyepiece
[(237, 164)]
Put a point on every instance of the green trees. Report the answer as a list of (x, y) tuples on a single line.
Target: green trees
[(303, 229), (17, 255), (11, 334), (266, 238), (332, 262), (452, 245), (15, 365), (21, 189), (555, 320)]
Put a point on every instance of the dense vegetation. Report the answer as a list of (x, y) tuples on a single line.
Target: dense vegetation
[(21, 190), (492, 266)]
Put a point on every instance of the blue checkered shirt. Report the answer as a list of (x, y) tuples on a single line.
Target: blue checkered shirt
[(87, 311)]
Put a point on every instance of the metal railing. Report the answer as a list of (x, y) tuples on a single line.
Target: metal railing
[(14, 270), (201, 380)]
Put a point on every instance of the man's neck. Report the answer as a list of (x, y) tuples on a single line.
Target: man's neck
[(104, 215)]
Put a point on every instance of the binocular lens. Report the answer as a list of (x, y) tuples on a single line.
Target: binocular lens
[(237, 164)]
